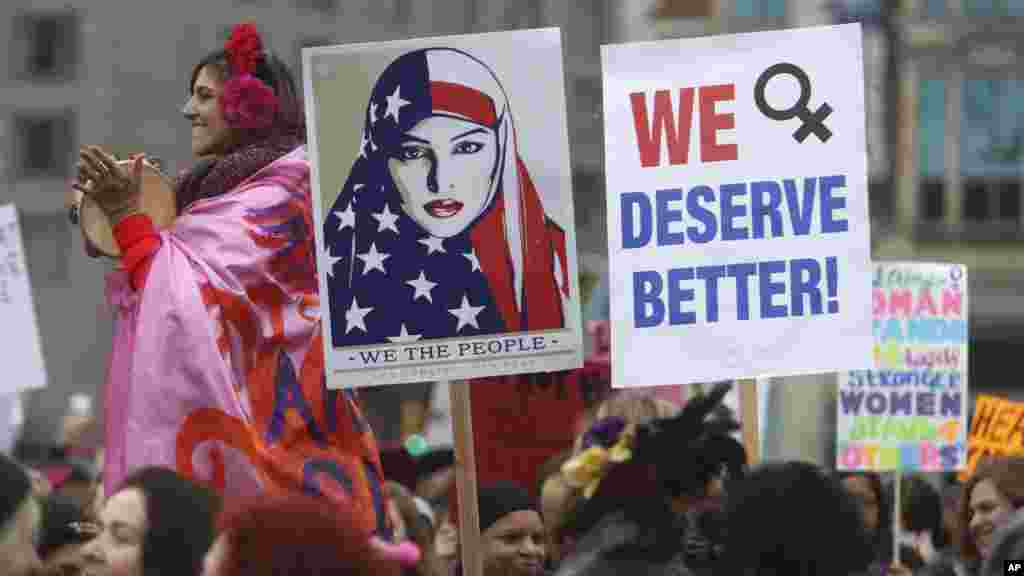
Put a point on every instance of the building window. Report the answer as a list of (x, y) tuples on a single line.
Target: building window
[(935, 9), (43, 144), (760, 8), (992, 149), (46, 45), (868, 12), (931, 124), (993, 8), (673, 9)]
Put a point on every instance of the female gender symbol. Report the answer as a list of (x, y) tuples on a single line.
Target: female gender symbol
[(810, 122)]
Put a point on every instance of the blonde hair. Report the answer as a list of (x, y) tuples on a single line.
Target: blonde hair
[(635, 407)]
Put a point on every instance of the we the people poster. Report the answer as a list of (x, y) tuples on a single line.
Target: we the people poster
[(442, 196)]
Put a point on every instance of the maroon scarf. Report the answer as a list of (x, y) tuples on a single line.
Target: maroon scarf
[(213, 177)]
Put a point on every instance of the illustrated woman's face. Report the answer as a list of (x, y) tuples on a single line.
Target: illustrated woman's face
[(443, 171)]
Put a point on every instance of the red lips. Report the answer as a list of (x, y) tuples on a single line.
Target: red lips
[(443, 208)]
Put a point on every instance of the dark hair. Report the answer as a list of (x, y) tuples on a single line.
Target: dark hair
[(297, 534), (881, 540), (793, 519), (922, 509), (61, 523), (15, 489), (621, 545), (1007, 473), (274, 72), (180, 518)]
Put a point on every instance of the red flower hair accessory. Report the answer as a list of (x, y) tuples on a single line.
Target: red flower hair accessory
[(244, 48), (248, 103)]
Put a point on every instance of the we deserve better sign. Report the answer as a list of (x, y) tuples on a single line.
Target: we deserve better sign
[(737, 206)]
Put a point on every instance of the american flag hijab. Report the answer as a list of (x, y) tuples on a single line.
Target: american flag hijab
[(392, 281)]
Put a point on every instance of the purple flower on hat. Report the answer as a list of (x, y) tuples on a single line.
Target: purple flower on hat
[(605, 432)]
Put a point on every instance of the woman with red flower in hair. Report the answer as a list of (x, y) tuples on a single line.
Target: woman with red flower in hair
[(217, 364)]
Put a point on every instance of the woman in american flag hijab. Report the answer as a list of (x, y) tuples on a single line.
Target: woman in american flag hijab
[(439, 231)]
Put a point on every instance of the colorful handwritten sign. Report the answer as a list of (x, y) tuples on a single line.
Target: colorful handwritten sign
[(997, 429), (909, 412), (737, 216), (22, 351)]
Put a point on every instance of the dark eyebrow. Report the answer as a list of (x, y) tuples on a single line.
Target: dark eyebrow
[(410, 137), (469, 133)]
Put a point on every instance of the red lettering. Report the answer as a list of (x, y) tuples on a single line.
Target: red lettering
[(952, 303), (677, 134), (925, 303), (878, 303), (901, 301), (711, 123)]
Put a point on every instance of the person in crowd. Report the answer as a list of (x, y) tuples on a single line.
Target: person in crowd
[(1009, 546), (65, 528), (446, 537), (793, 519), (156, 523), (413, 521), (295, 535), (921, 522), (951, 491), (876, 513), (640, 484), (77, 483), (556, 501), (19, 521), (511, 531), (634, 407), (990, 497), (218, 338)]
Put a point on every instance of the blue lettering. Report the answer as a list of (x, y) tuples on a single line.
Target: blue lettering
[(667, 216), (800, 212), (765, 199), (677, 295), (710, 276), (647, 287), (830, 203), (730, 210), (769, 288), (799, 285), (635, 238), (288, 396), (742, 274), (701, 214)]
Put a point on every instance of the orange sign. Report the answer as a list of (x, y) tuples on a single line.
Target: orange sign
[(996, 429)]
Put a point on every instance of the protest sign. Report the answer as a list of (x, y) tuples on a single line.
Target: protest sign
[(908, 413), (997, 429), (24, 364), (443, 208), (737, 206)]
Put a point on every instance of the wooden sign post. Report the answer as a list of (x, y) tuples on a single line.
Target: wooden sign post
[(465, 480), (749, 420)]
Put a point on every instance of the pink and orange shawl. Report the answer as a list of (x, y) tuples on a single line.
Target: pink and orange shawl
[(217, 365)]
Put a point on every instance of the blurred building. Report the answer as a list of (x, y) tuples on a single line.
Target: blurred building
[(944, 115), (115, 73)]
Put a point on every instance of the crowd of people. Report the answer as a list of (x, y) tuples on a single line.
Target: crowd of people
[(648, 488), (214, 329)]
